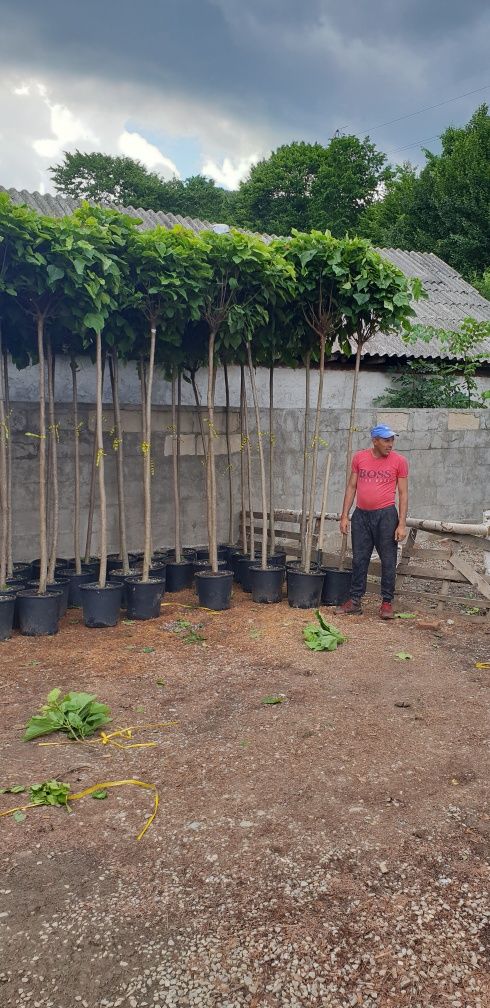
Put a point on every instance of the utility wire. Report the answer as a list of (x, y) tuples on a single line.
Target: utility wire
[(428, 108), (415, 143)]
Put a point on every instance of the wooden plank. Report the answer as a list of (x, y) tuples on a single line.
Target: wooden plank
[(471, 575)]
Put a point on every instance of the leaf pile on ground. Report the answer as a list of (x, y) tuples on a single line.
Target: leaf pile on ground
[(322, 636), (77, 714)]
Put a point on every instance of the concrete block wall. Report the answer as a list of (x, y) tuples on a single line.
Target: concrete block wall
[(448, 452)]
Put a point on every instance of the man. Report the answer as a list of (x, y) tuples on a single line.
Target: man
[(377, 473)]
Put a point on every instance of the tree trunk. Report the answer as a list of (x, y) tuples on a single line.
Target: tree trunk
[(321, 531), (118, 431), (3, 475), (43, 543), (228, 454), (314, 460), (93, 477), (348, 460), (100, 466), (76, 452), (272, 524), (249, 479), (147, 458), (242, 460), (306, 435), (175, 468), (211, 469), (263, 483), (53, 438), (8, 435), (199, 413)]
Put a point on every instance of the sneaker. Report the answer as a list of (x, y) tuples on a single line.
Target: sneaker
[(350, 608), (386, 611)]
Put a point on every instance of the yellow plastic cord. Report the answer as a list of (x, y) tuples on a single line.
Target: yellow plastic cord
[(100, 787), (106, 738)]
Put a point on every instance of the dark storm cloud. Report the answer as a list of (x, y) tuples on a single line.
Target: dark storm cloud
[(300, 68)]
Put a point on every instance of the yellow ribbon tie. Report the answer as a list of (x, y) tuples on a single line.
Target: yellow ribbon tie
[(100, 787)]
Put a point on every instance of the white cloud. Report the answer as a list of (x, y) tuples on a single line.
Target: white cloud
[(133, 145), (67, 128), (228, 174), (23, 89)]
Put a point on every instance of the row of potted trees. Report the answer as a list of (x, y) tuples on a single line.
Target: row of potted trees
[(94, 284)]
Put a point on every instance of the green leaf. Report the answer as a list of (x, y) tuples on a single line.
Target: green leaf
[(100, 795), (148, 650), (160, 682), (53, 696), (272, 700), (406, 615), (403, 656), (16, 789), (19, 816), (55, 273)]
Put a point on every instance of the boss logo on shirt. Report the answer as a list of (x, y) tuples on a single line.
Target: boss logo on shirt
[(379, 475)]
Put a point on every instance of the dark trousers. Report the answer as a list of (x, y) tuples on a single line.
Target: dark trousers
[(370, 530)]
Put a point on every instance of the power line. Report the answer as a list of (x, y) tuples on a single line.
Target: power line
[(415, 143), (428, 108)]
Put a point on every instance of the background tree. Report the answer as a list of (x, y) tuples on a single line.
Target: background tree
[(444, 208), (102, 178), (306, 186)]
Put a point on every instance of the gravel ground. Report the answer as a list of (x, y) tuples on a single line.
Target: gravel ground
[(331, 850)]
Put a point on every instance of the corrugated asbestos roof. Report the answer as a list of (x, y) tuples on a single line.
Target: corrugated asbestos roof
[(451, 299)]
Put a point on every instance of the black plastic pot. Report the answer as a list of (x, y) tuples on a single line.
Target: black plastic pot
[(143, 598), (86, 568), (277, 559), (336, 586), (304, 590), (38, 614), (203, 565), (188, 553), (74, 581), (243, 571), (179, 575), (157, 570), (235, 556), (118, 578), (114, 563), (296, 565), (17, 583), (266, 584), (23, 570), (59, 587), (7, 609), (101, 605), (214, 590), (36, 566)]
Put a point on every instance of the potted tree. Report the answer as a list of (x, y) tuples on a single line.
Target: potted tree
[(105, 234), (316, 257), (245, 277), (37, 249), (166, 269)]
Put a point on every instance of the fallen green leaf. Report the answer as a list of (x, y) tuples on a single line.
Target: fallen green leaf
[(405, 615), (100, 795), (148, 650), (140, 710), (403, 656), (256, 634), (128, 622), (322, 636), (19, 816), (271, 700), (160, 682)]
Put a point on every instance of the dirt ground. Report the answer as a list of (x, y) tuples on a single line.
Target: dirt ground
[(330, 850)]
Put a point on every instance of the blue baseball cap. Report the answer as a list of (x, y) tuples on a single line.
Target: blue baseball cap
[(381, 430)]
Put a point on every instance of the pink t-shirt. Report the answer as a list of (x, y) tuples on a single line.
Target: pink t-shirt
[(377, 478)]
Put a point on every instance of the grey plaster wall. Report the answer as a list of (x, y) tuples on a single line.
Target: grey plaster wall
[(289, 386), (448, 453)]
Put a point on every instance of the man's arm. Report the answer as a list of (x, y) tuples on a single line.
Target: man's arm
[(401, 530), (350, 493)]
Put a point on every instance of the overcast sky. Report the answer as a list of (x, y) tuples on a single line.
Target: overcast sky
[(210, 86)]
